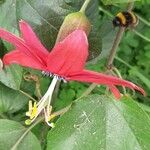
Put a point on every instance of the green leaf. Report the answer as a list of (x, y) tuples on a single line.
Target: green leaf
[(65, 98), (108, 34), (146, 108), (8, 15), (100, 122), (110, 2), (11, 131), (11, 100), (46, 17), (8, 18), (11, 76)]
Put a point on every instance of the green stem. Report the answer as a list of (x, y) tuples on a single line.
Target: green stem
[(119, 75), (84, 6), (117, 40), (143, 20), (27, 95), (138, 74), (106, 12), (119, 59), (88, 90), (130, 6), (141, 35), (115, 46), (25, 133), (38, 91), (62, 111)]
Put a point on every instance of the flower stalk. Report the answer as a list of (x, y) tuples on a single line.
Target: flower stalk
[(115, 46), (84, 6)]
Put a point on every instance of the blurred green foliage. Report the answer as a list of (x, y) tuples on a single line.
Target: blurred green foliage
[(132, 60), (133, 50)]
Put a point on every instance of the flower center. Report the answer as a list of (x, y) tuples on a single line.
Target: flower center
[(49, 74)]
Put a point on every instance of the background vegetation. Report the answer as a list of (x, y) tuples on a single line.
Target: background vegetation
[(96, 121)]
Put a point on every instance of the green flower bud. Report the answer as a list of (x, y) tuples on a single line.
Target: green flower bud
[(73, 21)]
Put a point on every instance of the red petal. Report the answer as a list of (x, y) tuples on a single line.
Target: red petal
[(20, 58), (95, 77), (69, 56), (19, 44), (32, 41), (115, 91), (16, 41)]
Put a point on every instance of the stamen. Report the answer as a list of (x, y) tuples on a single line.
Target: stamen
[(47, 119), (43, 104), (51, 117), (49, 109), (34, 111), (52, 125), (30, 109)]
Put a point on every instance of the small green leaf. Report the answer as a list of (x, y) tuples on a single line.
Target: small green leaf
[(11, 131), (11, 76), (11, 100), (110, 2), (100, 122)]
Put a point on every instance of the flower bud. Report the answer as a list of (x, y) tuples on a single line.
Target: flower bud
[(73, 21)]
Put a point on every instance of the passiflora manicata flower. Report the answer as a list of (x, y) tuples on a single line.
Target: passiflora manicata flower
[(65, 62)]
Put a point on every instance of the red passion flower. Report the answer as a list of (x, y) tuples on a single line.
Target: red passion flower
[(67, 58), (65, 62)]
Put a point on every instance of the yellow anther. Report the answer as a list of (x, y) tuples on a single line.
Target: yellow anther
[(34, 111), (51, 117), (28, 114), (28, 121), (30, 109), (30, 106)]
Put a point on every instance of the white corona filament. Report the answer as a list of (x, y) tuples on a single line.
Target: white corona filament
[(44, 103)]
